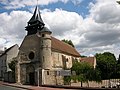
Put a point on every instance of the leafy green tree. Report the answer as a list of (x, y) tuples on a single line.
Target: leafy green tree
[(106, 63), (82, 56), (67, 80), (68, 42), (85, 72), (118, 2), (118, 62), (12, 65)]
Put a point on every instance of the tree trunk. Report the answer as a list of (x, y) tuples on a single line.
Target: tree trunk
[(87, 83), (81, 83)]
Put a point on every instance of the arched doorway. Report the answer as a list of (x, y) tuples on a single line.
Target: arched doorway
[(30, 74)]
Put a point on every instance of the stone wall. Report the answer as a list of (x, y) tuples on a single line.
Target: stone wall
[(104, 83)]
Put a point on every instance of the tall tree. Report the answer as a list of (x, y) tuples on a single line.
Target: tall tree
[(12, 65), (118, 62), (106, 63), (118, 2), (85, 72), (68, 42)]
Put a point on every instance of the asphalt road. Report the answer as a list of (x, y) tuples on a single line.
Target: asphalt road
[(2, 87)]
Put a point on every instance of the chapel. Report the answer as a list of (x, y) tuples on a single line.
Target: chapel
[(43, 59)]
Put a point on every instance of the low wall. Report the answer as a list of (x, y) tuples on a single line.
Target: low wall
[(104, 83)]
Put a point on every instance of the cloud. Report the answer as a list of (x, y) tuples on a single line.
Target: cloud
[(103, 28), (12, 26), (62, 22), (106, 11), (98, 32), (14, 4), (76, 2)]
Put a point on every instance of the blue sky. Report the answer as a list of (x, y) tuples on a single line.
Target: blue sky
[(81, 7), (92, 25)]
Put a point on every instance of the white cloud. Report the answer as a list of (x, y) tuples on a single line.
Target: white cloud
[(76, 2), (12, 26), (98, 32), (13, 4), (104, 30)]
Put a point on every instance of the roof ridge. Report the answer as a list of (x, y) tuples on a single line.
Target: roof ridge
[(64, 43), (64, 47)]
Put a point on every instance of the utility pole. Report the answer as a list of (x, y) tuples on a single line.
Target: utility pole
[(38, 77)]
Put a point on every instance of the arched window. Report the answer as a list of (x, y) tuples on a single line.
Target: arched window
[(31, 55)]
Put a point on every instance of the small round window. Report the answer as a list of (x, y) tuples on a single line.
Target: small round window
[(31, 55)]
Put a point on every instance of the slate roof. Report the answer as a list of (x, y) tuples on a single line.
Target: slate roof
[(36, 16), (45, 29), (62, 47), (90, 60)]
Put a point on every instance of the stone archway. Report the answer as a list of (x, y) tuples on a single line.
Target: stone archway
[(30, 74)]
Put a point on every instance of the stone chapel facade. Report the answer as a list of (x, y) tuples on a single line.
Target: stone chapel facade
[(41, 57)]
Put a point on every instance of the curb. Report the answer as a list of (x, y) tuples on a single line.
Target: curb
[(16, 86)]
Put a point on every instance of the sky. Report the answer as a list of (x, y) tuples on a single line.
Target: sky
[(92, 25)]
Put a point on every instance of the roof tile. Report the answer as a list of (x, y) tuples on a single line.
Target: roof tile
[(63, 47)]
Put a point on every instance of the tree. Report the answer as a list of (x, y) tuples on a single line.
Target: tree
[(67, 80), (82, 56), (68, 42), (118, 2), (12, 65), (117, 68), (85, 72), (118, 62), (106, 63)]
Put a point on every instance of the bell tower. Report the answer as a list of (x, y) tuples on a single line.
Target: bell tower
[(35, 52), (36, 23)]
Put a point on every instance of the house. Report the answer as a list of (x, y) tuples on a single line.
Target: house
[(5, 58), (43, 59), (90, 60)]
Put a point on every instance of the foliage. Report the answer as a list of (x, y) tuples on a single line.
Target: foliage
[(85, 72), (117, 71), (82, 56), (118, 62), (67, 79), (118, 2), (68, 42), (106, 63), (12, 65)]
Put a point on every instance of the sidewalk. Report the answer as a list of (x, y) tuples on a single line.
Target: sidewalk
[(28, 87)]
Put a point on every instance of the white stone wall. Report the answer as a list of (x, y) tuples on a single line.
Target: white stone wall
[(57, 59)]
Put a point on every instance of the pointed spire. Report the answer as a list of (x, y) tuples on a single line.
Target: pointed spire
[(35, 23), (36, 16)]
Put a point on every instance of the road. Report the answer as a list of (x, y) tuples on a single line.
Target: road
[(2, 87)]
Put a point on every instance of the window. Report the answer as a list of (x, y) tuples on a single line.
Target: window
[(67, 60), (43, 59), (43, 35), (31, 55), (47, 72)]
